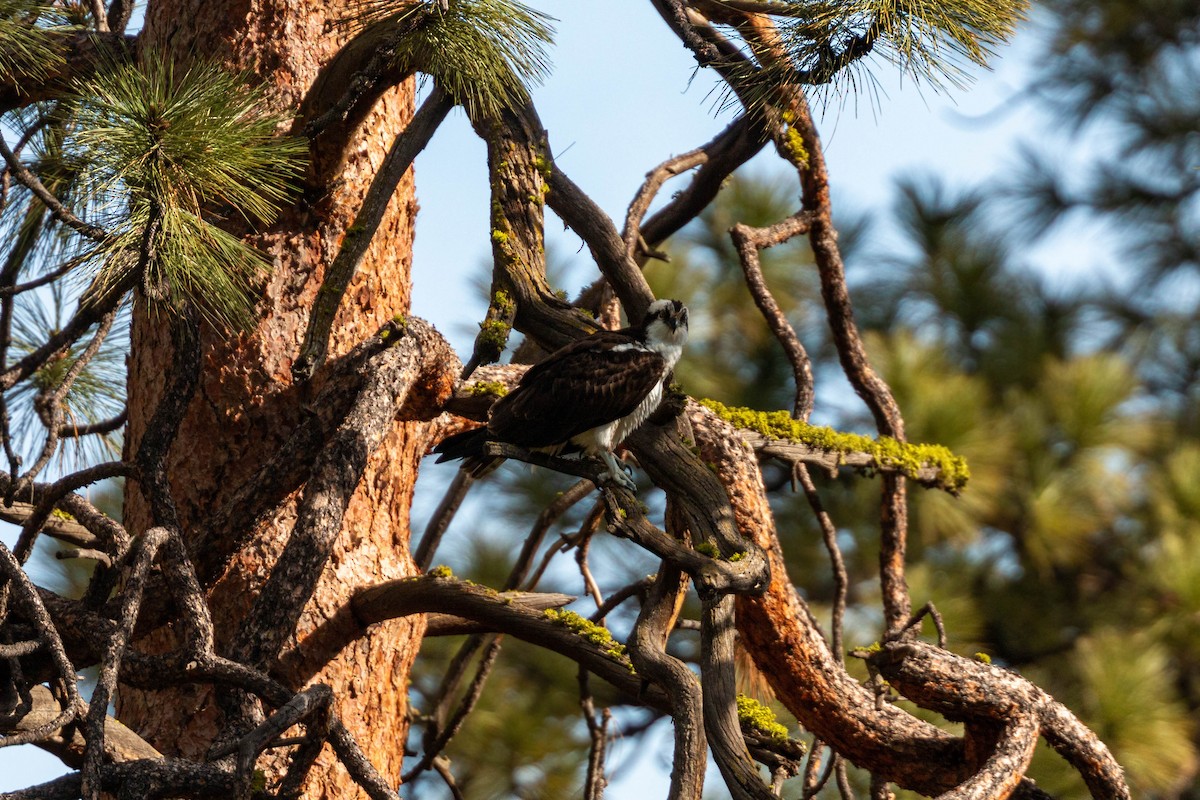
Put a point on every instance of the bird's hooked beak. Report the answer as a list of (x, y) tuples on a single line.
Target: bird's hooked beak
[(678, 318)]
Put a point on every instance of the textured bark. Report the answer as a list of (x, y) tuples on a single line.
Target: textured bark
[(246, 403)]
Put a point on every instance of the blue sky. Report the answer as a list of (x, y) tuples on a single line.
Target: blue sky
[(623, 97)]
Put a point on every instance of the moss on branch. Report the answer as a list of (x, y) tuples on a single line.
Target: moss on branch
[(886, 452), (762, 719)]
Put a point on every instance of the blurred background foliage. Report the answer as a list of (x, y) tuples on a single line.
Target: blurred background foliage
[(1073, 556)]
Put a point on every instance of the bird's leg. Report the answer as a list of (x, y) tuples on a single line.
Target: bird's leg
[(584, 468), (616, 471)]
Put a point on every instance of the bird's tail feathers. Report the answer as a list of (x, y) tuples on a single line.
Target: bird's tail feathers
[(478, 466), (461, 445), (468, 446)]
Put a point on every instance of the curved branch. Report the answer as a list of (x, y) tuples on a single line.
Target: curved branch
[(48, 402), (407, 596), (748, 241), (60, 212), (965, 689), (96, 302), (720, 704), (144, 551), (58, 493), (1000, 775), (27, 600), (734, 147), (647, 649)]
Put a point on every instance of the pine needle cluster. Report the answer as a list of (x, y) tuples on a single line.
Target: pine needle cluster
[(28, 38), (933, 41), (170, 158), (97, 392), (484, 53)]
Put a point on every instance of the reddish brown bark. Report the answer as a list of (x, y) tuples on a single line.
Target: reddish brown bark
[(246, 402), (782, 637)]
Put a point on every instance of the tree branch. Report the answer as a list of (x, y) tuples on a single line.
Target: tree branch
[(647, 650), (335, 476), (404, 150), (141, 556), (478, 603), (748, 241)]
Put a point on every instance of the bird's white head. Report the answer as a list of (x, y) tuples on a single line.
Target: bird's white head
[(666, 326)]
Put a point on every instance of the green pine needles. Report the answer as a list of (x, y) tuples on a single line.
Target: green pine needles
[(173, 159), (484, 53), (931, 40), (97, 389), (28, 38)]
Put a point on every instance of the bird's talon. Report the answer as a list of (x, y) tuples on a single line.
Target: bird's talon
[(623, 480)]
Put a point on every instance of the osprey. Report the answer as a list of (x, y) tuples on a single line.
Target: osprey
[(588, 395)]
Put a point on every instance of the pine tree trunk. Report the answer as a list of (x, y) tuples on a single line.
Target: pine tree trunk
[(246, 401)]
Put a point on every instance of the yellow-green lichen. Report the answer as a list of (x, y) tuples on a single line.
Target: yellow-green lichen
[(503, 303), (493, 332), (795, 146), (762, 719), (863, 651), (58, 513), (596, 634), (488, 388), (886, 452), (707, 548), (543, 166), (984, 657), (737, 556), (441, 571), (499, 236)]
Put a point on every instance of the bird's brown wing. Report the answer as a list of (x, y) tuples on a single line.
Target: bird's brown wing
[(579, 387)]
